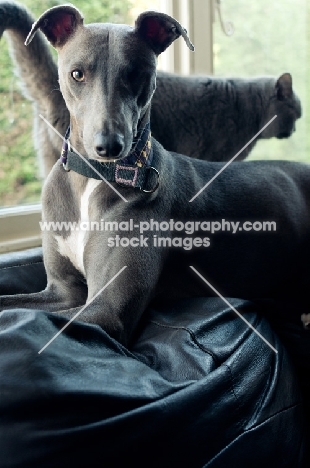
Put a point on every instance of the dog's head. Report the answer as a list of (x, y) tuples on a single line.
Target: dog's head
[(107, 75)]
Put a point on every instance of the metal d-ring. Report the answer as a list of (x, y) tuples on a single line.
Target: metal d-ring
[(157, 184), (66, 163)]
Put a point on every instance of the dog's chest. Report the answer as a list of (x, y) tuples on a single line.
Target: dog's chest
[(73, 246)]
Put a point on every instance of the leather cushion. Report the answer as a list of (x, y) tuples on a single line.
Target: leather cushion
[(197, 389)]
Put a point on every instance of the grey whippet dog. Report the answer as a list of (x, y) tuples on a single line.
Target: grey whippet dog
[(107, 75), (204, 117)]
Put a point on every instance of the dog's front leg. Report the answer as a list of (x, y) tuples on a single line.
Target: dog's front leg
[(54, 298), (66, 288), (120, 286), (117, 314)]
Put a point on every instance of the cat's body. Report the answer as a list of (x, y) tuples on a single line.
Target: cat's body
[(206, 118), (213, 118)]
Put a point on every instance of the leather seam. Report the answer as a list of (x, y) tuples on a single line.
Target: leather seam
[(234, 393), (192, 336), (20, 265), (245, 431)]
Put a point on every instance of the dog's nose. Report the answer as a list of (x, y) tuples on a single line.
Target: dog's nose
[(109, 146)]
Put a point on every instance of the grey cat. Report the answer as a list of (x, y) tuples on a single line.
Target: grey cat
[(213, 118), (202, 117)]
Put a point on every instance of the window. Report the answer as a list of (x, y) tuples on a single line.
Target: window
[(269, 38)]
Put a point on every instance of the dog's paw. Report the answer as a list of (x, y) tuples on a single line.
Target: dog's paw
[(305, 318)]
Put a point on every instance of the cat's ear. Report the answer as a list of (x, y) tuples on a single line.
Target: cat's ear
[(284, 86)]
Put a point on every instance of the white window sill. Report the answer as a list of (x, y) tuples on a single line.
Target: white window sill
[(19, 228)]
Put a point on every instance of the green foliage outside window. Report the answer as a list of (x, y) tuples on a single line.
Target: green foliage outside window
[(270, 38)]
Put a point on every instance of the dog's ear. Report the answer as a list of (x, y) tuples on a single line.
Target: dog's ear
[(160, 30), (58, 24), (284, 86)]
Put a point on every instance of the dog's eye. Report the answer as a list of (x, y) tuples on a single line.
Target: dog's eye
[(77, 75)]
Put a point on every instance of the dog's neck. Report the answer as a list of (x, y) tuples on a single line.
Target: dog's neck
[(141, 150)]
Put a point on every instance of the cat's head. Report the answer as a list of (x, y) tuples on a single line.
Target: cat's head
[(284, 103)]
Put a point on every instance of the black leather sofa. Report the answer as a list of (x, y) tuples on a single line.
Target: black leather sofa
[(197, 389)]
